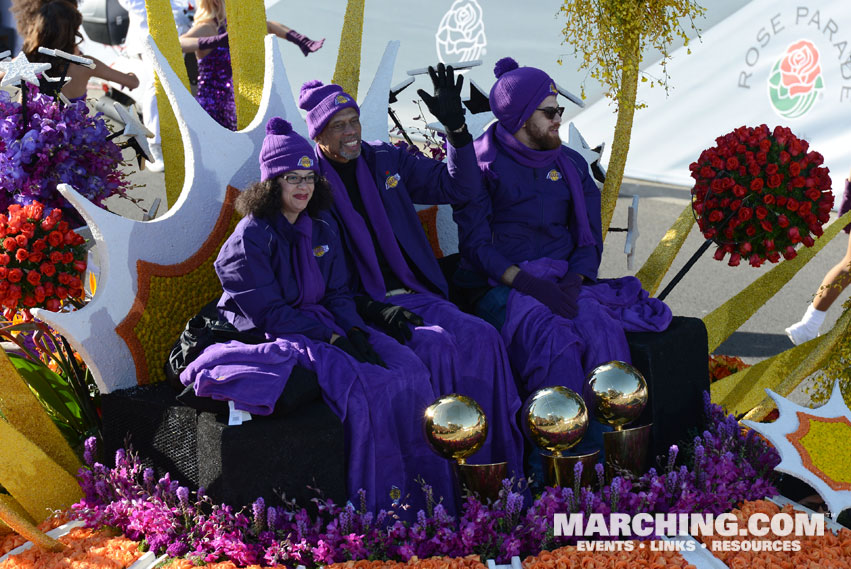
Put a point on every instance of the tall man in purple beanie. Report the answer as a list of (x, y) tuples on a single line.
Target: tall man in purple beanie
[(375, 186), (531, 244)]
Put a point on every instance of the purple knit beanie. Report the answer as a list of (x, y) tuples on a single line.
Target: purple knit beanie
[(284, 150), (517, 92), (321, 103)]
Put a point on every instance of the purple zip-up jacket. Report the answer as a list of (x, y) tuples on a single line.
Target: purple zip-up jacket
[(403, 179), (256, 269), (521, 214)]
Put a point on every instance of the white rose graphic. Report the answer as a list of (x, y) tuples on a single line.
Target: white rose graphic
[(461, 34)]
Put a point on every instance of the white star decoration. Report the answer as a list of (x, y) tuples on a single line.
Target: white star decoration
[(778, 433), (576, 142), (20, 69), (134, 128)]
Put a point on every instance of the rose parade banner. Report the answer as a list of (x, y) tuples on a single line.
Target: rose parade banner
[(774, 62)]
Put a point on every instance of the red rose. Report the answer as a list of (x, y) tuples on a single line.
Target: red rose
[(48, 269), (739, 191), (756, 185), (782, 220), (21, 255), (735, 258), (716, 186), (56, 257), (735, 204), (804, 207), (55, 239), (808, 241), (48, 288), (794, 169), (64, 278), (715, 216), (775, 181), (768, 199), (719, 254), (750, 231), (53, 304), (4, 259), (745, 248), (15, 275), (61, 292), (792, 204), (784, 157), (754, 170), (33, 277), (766, 225), (769, 244), (79, 266), (745, 213), (48, 224), (10, 244), (794, 234), (732, 163), (707, 172), (28, 229), (764, 146), (29, 301), (771, 169), (755, 261), (773, 256), (67, 257), (761, 157), (813, 194), (22, 240), (63, 227), (761, 212), (35, 257), (789, 253)]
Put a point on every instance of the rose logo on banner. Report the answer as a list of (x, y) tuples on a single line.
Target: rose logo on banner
[(461, 34), (795, 80)]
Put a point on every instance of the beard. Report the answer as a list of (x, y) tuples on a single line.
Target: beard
[(544, 139)]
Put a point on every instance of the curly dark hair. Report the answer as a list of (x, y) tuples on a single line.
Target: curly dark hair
[(56, 25), (263, 199)]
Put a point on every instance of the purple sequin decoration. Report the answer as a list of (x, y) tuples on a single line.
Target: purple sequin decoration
[(215, 86)]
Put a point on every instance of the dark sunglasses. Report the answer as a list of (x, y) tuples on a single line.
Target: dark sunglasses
[(551, 112)]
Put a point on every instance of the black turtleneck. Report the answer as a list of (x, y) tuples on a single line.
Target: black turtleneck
[(347, 173)]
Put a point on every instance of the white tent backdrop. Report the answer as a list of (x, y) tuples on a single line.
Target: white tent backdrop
[(724, 84)]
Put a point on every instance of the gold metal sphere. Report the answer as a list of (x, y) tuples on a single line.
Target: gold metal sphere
[(555, 418), (455, 427), (618, 392)]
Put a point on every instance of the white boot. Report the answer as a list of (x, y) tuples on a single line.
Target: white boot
[(157, 153), (808, 327)]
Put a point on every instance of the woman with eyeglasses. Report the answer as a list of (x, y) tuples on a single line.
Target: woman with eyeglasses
[(283, 273)]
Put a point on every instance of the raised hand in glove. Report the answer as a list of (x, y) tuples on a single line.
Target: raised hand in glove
[(394, 320), (445, 105), (547, 293), (360, 341)]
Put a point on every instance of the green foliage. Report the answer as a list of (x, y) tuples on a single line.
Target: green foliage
[(610, 35)]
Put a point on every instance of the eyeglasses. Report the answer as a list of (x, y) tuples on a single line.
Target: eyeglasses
[(296, 180), (341, 126), (551, 112)]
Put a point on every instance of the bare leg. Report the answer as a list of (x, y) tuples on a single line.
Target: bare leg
[(834, 282)]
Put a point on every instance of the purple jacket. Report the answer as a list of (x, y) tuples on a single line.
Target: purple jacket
[(261, 289), (403, 179), (521, 214)]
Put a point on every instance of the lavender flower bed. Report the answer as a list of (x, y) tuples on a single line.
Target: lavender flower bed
[(724, 468)]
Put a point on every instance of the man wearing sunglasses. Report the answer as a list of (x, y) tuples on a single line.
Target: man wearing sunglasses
[(403, 291), (531, 243)]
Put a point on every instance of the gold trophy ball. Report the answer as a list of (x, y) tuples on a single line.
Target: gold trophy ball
[(555, 418), (618, 392), (455, 427)]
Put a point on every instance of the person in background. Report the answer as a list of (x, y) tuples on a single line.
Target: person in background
[(283, 275), (834, 282), (208, 40), (56, 25), (403, 291)]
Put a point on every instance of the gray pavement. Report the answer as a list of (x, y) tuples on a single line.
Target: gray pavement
[(704, 288)]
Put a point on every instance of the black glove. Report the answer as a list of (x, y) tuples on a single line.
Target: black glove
[(445, 105), (359, 340), (394, 320)]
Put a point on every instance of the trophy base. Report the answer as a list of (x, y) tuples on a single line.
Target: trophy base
[(560, 470), (626, 450), (483, 480)]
